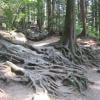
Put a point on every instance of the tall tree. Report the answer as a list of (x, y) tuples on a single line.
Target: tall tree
[(49, 12), (83, 16), (40, 14), (99, 16), (68, 37)]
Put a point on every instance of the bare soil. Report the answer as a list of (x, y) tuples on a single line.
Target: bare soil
[(15, 91)]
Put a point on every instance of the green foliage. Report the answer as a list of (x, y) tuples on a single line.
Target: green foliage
[(10, 8), (78, 29), (14, 11)]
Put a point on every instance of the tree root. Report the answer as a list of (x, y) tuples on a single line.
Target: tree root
[(80, 55), (11, 57), (1, 91), (46, 79), (17, 70), (43, 67)]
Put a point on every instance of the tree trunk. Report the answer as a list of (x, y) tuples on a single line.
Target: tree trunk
[(99, 16), (83, 15), (68, 38), (49, 12), (40, 14), (92, 8)]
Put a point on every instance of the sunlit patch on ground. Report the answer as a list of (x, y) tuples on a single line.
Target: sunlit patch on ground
[(41, 96), (40, 44), (86, 42), (3, 95), (14, 36), (44, 42)]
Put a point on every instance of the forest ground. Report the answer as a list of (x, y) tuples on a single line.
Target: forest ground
[(16, 91)]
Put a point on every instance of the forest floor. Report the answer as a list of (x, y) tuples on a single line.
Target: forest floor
[(16, 91)]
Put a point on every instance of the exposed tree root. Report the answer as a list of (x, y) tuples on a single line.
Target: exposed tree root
[(46, 78), (1, 91), (80, 55), (43, 67), (11, 57)]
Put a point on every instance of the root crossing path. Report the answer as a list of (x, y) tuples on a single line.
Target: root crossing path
[(93, 91), (15, 91)]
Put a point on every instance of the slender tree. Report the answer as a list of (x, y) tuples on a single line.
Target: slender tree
[(49, 13), (68, 37), (99, 16), (40, 11), (83, 16)]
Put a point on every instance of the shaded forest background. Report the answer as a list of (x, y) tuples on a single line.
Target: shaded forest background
[(49, 16)]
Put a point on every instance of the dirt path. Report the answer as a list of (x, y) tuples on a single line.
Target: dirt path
[(15, 91), (93, 91), (44, 42)]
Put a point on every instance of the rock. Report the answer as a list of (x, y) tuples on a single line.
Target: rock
[(18, 38), (14, 37)]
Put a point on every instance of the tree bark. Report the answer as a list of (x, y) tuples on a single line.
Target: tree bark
[(68, 37), (83, 15), (49, 12)]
